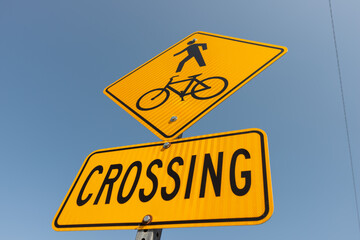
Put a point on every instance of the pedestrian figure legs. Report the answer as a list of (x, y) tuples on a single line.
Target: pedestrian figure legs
[(181, 64)]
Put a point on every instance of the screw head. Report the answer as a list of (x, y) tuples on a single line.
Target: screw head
[(147, 219), (166, 145), (173, 118)]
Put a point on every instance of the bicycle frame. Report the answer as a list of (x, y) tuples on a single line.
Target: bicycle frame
[(190, 89), (185, 92)]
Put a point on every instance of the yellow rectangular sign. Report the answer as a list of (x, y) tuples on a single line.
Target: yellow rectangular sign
[(172, 91), (211, 180)]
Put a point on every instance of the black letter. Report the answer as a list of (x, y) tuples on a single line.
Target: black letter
[(79, 201), (153, 178), (122, 199), (245, 174), (176, 178), (216, 179), (110, 182), (190, 177)]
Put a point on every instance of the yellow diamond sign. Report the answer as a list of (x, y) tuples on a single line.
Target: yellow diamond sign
[(211, 180), (176, 88)]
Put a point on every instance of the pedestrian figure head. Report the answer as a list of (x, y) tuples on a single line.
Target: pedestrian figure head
[(192, 41)]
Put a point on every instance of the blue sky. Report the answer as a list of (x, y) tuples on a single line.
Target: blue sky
[(58, 56)]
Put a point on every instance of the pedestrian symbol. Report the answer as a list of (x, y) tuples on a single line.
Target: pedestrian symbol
[(190, 79), (193, 52), (149, 101)]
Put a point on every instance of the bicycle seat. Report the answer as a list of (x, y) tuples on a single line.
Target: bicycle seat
[(196, 75)]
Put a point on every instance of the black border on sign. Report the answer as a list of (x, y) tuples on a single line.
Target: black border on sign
[(265, 184), (178, 132)]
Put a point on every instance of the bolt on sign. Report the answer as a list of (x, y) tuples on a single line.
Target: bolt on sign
[(211, 180), (176, 88)]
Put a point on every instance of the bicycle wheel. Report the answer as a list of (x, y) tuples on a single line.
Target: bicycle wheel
[(209, 88), (152, 99)]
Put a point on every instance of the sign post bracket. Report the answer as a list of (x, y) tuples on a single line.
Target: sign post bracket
[(148, 234)]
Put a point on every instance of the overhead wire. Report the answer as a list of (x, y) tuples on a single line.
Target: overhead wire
[(345, 115)]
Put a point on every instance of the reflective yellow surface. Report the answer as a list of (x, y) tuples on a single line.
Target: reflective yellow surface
[(221, 64), (211, 180)]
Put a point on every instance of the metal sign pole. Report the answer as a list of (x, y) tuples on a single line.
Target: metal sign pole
[(150, 234)]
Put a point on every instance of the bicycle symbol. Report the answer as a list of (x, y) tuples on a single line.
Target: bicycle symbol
[(202, 90)]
